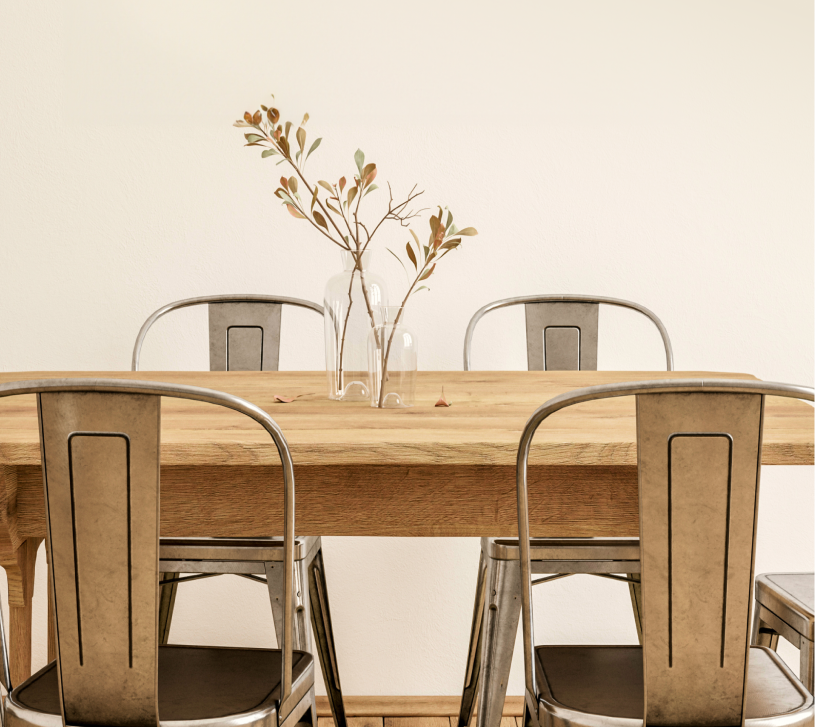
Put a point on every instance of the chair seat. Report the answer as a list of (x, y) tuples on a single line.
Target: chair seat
[(608, 681), (791, 597), (231, 549), (570, 555), (194, 683)]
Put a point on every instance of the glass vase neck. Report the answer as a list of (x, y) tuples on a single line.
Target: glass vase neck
[(387, 314), (349, 260)]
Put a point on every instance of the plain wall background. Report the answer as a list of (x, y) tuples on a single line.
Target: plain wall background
[(655, 151)]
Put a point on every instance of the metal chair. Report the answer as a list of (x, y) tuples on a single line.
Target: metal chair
[(100, 442), (244, 330), (561, 335), (784, 606), (244, 335), (699, 454)]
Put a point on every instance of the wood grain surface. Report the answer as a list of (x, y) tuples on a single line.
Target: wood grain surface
[(482, 427)]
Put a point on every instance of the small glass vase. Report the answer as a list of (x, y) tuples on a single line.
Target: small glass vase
[(392, 360), (351, 300)]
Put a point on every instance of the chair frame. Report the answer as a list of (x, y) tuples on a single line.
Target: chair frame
[(532, 703), (768, 625), (290, 705), (210, 299), (530, 300), (495, 620)]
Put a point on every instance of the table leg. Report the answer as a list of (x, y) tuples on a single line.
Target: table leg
[(20, 575)]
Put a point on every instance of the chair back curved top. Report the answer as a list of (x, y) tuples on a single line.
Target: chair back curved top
[(100, 444), (562, 330), (244, 330), (699, 454)]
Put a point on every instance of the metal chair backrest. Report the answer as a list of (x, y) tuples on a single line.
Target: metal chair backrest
[(244, 330), (562, 330), (699, 454), (100, 444)]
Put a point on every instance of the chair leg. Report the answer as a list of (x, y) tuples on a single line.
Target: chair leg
[(762, 634), (471, 676), (274, 581), (500, 628), (635, 591), (324, 636), (807, 672), (165, 607)]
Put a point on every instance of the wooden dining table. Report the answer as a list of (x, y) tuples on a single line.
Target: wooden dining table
[(419, 471)]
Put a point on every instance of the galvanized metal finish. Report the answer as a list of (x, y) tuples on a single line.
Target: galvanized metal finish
[(95, 432), (238, 329), (784, 607), (500, 627), (244, 335), (544, 320), (561, 334), (694, 449), (698, 442), (100, 454)]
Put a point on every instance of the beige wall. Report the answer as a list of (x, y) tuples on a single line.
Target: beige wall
[(657, 151)]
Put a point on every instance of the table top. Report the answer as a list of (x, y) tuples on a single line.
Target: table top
[(482, 427)]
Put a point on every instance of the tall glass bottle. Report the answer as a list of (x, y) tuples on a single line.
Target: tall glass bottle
[(351, 299)]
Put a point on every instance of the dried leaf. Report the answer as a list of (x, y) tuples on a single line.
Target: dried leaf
[(240, 122), (278, 399), (451, 244), (411, 255), (442, 401), (359, 158), (427, 273), (332, 207), (320, 220), (314, 197), (398, 259), (257, 118), (366, 171), (284, 183), (468, 232), (449, 220), (294, 213), (421, 287), (434, 225), (273, 115), (293, 184), (343, 182), (370, 189), (253, 137), (352, 193), (416, 237), (314, 146), (288, 129), (301, 138), (305, 120), (326, 185), (247, 117), (268, 153), (284, 145)]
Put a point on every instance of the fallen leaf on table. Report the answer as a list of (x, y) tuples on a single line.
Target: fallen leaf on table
[(442, 401), (285, 399)]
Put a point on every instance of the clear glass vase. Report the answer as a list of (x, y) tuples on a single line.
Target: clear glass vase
[(351, 300), (392, 360)]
